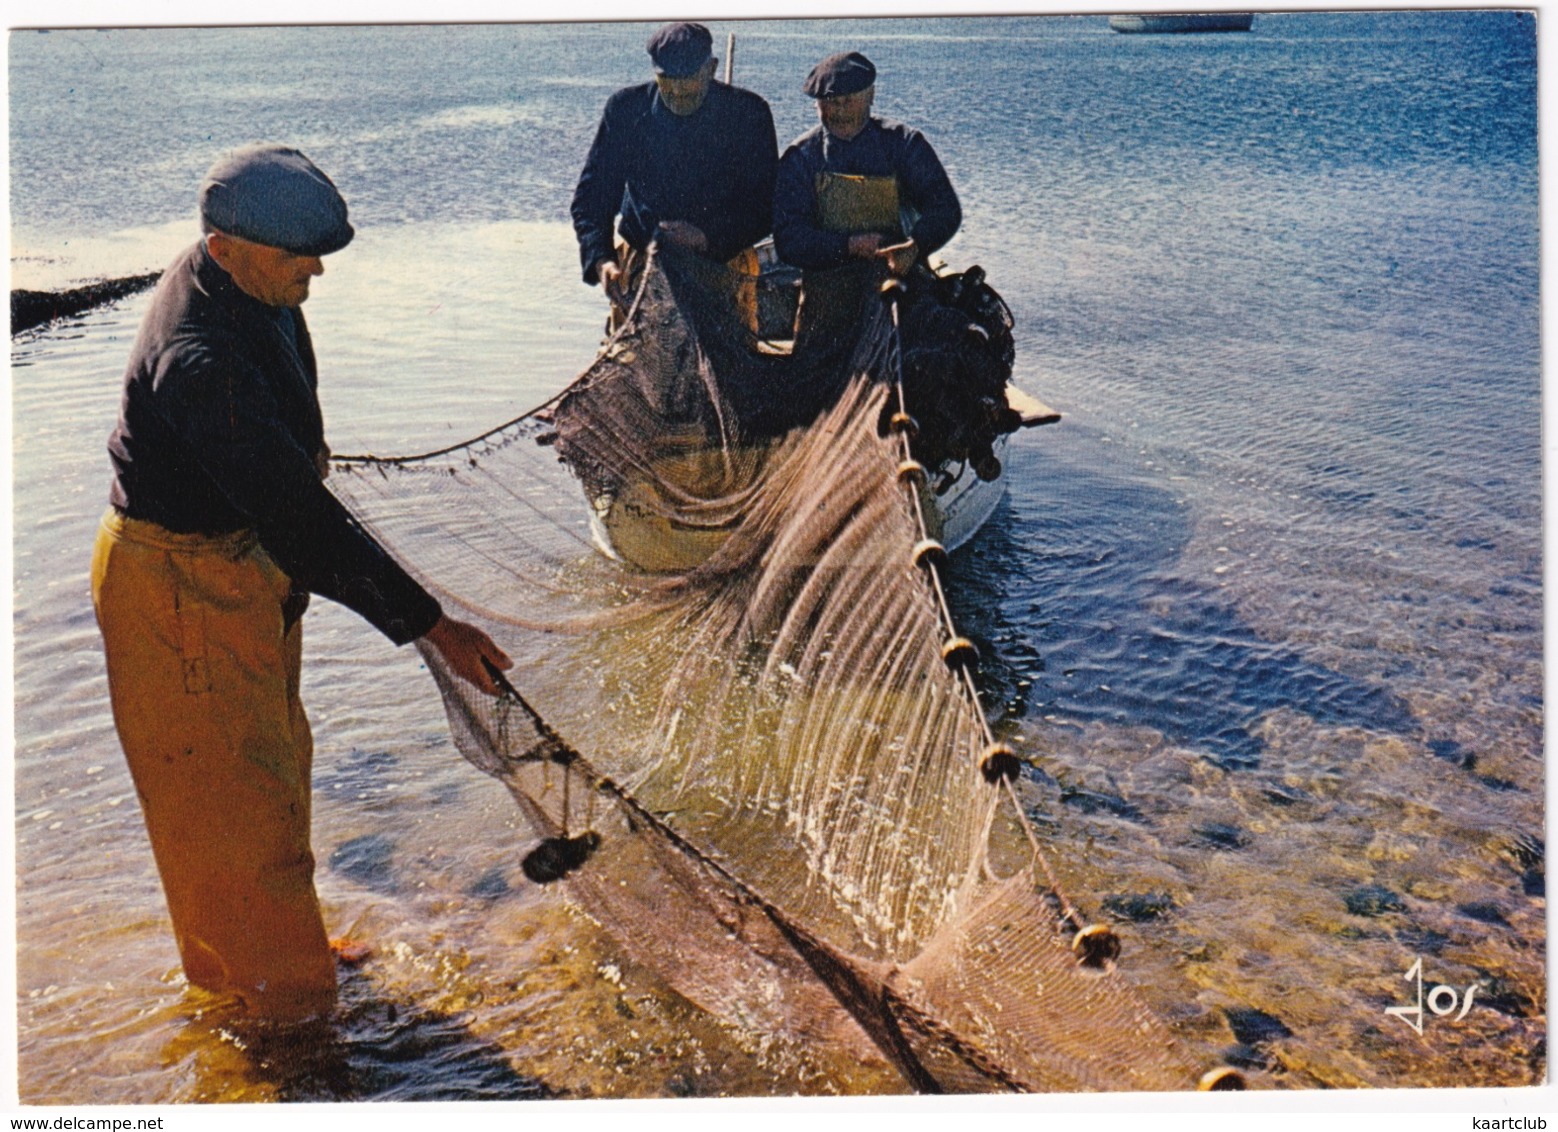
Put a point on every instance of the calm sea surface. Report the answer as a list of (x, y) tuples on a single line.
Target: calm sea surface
[(1267, 604)]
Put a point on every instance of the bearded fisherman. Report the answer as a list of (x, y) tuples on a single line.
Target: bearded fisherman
[(857, 197), (683, 160), (220, 526)]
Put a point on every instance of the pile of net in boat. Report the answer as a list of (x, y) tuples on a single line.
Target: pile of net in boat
[(736, 721)]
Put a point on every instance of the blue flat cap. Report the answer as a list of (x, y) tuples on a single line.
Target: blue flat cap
[(678, 50), (271, 194), (848, 72)]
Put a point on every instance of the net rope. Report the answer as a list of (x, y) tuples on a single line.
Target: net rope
[(732, 720)]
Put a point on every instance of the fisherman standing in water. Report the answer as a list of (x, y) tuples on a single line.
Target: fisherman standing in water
[(220, 528), (684, 160), (856, 194)]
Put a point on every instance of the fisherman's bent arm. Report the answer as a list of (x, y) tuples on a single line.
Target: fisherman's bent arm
[(598, 195), (930, 191), (798, 238), (242, 444)]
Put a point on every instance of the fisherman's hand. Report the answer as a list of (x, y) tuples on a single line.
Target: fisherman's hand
[(864, 245), (322, 461), (609, 272), (680, 234), (900, 257), (463, 645)]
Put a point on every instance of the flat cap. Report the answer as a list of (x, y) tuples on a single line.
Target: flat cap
[(678, 50), (271, 194), (848, 72)]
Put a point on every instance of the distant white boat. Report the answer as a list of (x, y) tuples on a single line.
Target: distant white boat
[(1161, 23)]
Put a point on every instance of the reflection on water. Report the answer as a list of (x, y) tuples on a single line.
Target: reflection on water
[(1121, 634), (374, 1049), (1273, 835)]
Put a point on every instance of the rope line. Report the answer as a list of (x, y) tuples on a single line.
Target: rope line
[(966, 674)]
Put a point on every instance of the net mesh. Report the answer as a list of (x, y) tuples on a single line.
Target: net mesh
[(731, 724)]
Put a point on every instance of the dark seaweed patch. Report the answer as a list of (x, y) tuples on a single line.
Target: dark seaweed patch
[(1421, 941), (1244, 1056), (34, 308), (1484, 913), (1500, 785), (1499, 993), (1224, 838), (1452, 752), (1373, 900), (367, 860), (1253, 1027), (1528, 854), (1139, 906), (491, 885), (1096, 802), (1281, 794)]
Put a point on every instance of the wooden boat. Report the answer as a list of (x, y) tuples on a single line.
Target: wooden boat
[(634, 524), (1179, 23)]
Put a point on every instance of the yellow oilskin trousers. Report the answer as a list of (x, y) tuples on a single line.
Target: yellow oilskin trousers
[(203, 677)]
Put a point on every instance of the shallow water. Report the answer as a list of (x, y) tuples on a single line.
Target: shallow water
[(1266, 605)]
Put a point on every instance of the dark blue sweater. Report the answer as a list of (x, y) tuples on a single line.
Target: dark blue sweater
[(219, 429), (713, 168)]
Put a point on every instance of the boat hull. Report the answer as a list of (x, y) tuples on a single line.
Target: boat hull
[(957, 512), (634, 526)]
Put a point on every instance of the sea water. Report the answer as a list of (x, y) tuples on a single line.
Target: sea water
[(1265, 607)]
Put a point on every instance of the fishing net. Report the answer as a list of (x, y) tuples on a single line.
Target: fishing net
[(739, 720)]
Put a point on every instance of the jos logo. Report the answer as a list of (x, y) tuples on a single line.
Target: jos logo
[(1440, 1000)]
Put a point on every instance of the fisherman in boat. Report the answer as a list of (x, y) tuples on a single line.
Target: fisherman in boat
[(220, 527), (684, 160), (860, 198), (857, 197)]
